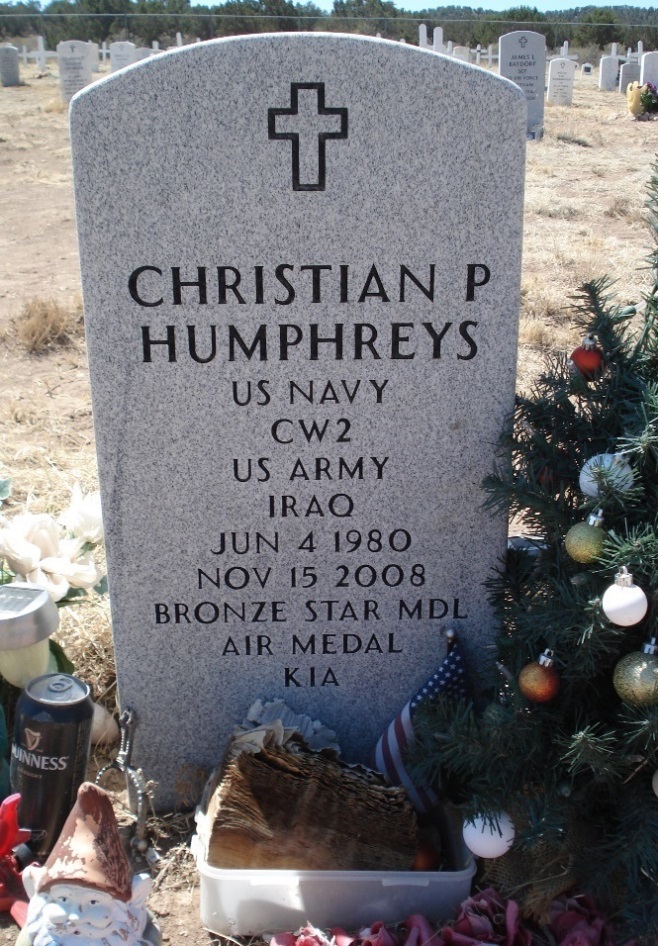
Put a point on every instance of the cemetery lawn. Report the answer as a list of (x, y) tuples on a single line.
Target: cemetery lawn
[(585, 193)]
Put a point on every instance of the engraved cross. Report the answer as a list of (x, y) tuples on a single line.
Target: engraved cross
[(308, 124)]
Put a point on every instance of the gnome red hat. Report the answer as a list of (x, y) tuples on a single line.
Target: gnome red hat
[(89, 850)]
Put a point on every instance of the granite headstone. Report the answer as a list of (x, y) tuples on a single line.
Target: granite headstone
[(302, 343), (40, 54), (522, 58), (122, 54), (609, 73), (93, 56), (649, 68), (74, 67), (561, 73), (9, 72), (629, 72)]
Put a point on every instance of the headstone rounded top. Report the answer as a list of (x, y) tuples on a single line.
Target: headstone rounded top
[(311, 46)]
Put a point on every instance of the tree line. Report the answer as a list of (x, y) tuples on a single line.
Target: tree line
[(109, 20)]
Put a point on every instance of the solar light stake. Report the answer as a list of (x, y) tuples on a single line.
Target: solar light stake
[(27, 619)]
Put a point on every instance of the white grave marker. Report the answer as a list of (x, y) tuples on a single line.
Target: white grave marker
[(649, 68), (40, 55), (561, 73), (93, 56), (629, 72), (74, 68), (609, 73), (121, 55), (9, 72), (522, 58), (297, 387)]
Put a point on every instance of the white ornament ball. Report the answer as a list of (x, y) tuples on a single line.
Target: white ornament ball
[(619, 474), (485, 840), (624, 605), (654, 782)]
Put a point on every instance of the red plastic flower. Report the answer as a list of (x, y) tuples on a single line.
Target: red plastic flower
[(487, 918), (575, 921)]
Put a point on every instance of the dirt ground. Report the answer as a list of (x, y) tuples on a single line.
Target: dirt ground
[(585, 217)]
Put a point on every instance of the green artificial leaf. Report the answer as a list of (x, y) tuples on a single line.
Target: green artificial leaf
[(5, 490), (64, 665), (6, 575), (101, 587), (71, 595)]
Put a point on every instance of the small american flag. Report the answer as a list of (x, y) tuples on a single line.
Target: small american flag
[(449, 680)]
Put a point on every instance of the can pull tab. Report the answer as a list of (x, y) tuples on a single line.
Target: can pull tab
[(60, 684), (138, 787)]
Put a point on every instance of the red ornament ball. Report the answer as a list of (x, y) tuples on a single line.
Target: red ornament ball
[(588, 359), (539, 681)]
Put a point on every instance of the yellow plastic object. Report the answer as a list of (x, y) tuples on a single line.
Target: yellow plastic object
[(633, 92)]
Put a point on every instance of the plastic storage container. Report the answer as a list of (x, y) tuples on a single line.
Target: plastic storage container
[(247, 902)]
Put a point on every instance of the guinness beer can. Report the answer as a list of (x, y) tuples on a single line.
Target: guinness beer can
[(49, 755)]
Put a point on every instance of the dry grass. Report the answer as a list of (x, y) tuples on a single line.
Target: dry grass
[(55, 106), (45, 324), (546, 336), (572, 139)]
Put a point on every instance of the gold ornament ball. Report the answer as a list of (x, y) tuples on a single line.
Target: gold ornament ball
[(584, 543), (636, 679)]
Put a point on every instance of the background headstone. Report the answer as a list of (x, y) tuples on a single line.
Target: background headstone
[(522, 58), (297, 387), (586, 69), (40, 56), (609, 73), (142, 52), (122, 54), (437, 40), (629, 72), (74, 68), (649, 68), (462, 52), (561, 73), (9, 72), (93, 56)]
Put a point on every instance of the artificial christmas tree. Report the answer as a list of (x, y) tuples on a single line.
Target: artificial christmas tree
[(576, 771)]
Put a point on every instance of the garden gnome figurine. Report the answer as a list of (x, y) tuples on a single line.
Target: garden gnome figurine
[(85, 894)]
